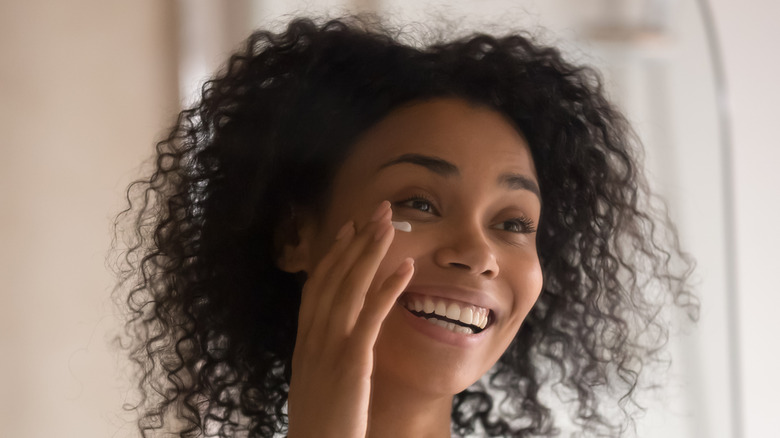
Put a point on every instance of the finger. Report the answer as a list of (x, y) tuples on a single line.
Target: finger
[(327, 278), (333, 281), (310, 296), (379, 304), (348, 303)]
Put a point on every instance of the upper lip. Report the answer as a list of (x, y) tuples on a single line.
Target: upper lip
[(474, 297)]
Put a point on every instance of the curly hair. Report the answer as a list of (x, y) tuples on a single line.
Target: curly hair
[(213, 321)]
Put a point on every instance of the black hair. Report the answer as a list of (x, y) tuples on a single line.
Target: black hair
[(213, 321)]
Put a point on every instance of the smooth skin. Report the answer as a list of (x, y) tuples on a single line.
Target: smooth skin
[(464, 178)]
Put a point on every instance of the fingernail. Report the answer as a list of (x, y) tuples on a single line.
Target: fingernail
[(406, 266), (380, 212), (345, 230)]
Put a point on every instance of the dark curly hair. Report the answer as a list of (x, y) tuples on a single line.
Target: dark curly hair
[(213, 321)]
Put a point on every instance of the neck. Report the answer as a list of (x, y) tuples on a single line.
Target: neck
[(402, 411)]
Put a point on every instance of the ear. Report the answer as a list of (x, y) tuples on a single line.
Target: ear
[(293, 239)]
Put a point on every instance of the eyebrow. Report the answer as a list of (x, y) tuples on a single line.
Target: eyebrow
[(516, 181), (434, 164), (513, 181)]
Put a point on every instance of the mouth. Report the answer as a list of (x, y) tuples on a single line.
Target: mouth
[(452, 315)]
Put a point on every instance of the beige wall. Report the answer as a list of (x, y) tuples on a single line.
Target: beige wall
[(85, 88)]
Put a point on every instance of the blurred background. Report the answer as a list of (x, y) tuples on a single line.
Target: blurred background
[(88, 86)]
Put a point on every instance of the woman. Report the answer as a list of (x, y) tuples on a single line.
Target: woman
[(271, 292)]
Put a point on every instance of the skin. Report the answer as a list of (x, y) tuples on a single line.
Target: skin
[(464, 178)]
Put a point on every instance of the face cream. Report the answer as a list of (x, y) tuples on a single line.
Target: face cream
[(402, 226)]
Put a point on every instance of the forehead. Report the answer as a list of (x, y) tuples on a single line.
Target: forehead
[(475, 138)]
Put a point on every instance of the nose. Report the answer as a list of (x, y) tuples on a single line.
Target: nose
[(468, 250)]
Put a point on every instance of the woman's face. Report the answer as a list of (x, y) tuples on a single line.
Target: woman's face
[(463, 177)]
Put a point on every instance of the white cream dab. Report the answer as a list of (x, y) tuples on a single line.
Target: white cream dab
[(402, 226)]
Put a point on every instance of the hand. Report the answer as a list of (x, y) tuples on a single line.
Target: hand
[(342, 309)]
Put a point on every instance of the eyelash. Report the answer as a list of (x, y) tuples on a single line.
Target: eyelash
[(524, 224), (419, 198)]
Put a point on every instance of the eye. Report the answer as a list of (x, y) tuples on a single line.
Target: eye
[(519, 225), (419, 203)]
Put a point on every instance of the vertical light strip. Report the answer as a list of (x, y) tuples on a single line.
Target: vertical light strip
[(726, 151), (209, 31)]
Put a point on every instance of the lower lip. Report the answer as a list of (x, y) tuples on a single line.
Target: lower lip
[(441, 334)]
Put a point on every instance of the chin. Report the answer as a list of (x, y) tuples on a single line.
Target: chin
[(405, 358)]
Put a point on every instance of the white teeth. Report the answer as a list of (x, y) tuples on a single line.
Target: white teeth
[(477, 318), (441, 309), (438, 322), (471, 315), (464, 330), (466, 315), (453, 312), (428, 305), (450, 326)]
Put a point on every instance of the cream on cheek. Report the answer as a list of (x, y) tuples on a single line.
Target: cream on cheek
[(402, 226)]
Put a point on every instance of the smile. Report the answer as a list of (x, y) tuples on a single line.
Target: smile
[(452, 315)]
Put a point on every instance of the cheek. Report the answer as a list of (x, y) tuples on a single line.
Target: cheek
[(404, 245), (535, 280), (526, 284)]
